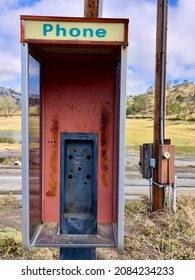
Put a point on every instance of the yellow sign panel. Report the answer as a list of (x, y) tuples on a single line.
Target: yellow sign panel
[(73, 31)]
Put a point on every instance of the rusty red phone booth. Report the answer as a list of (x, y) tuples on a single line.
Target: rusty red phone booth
[(73, 126)]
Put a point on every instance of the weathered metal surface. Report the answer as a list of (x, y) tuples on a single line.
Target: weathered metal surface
[(105, 141), (50, 236), (147, 154), (78, 201), (166, 166), (81, 98), (53, 162)]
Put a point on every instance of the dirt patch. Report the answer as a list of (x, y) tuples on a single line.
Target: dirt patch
[(11, 218), (10, 213)]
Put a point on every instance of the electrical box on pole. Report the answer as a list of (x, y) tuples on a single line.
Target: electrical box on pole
[(157, 159), (159, 99)]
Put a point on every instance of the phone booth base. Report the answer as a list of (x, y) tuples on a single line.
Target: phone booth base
[(73, 133)]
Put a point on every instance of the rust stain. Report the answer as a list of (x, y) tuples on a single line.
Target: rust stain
[(105, 140), (70, 206), (71, 106), (53, 169)]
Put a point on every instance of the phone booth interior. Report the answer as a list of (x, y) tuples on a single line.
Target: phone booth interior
[(73, 139)]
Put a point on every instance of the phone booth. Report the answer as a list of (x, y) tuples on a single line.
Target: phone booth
[(73, 132)]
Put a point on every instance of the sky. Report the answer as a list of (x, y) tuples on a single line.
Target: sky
[(142, 37)]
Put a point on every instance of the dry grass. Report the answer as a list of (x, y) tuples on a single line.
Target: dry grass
[(161, 235), (12, 123), (148, 235), (158, 235), (10, 244), (9, 200), (11, 247)]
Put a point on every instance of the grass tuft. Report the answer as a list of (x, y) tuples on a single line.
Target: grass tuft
[(6, 201), (45, 254), (11, 244)]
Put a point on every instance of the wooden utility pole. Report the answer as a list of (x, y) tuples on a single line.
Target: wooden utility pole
[(159, 102), (91, 8)]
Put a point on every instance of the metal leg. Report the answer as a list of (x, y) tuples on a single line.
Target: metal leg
[(77, 253), (174, 188), (165, 200), (169, 198), (150, 189)]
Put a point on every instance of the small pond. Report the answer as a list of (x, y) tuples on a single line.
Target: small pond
[(10, 136)]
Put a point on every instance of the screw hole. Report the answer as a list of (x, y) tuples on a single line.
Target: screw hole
[(70, 157), (88, 157), (79, 168), (70, 176), (88, 176)]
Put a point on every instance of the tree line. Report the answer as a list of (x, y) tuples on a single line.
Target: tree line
[(9, 107), (180, 102)]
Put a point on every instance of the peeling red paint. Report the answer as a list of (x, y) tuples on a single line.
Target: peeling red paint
[(53, 171), (105, 140)]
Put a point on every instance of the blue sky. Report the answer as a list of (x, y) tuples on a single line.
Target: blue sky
[(173, 2), (142, 37)]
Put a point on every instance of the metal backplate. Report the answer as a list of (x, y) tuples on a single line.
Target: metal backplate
[(78, 211)]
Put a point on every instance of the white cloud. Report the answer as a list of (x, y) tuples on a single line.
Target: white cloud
[(9, 67), (59, 8), (142, 30), (142, 36), (181, 41), (10, 31)]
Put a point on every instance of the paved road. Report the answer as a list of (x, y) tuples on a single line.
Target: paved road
[(135, 186), (11, 180)]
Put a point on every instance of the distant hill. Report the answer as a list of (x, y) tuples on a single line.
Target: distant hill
[(180, 103), (16, 95), (10, 103)]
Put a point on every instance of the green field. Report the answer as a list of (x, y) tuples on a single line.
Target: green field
[(181, 133), (138, 131)]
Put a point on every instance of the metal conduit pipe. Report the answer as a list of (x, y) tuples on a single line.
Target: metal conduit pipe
[(162, 90)]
